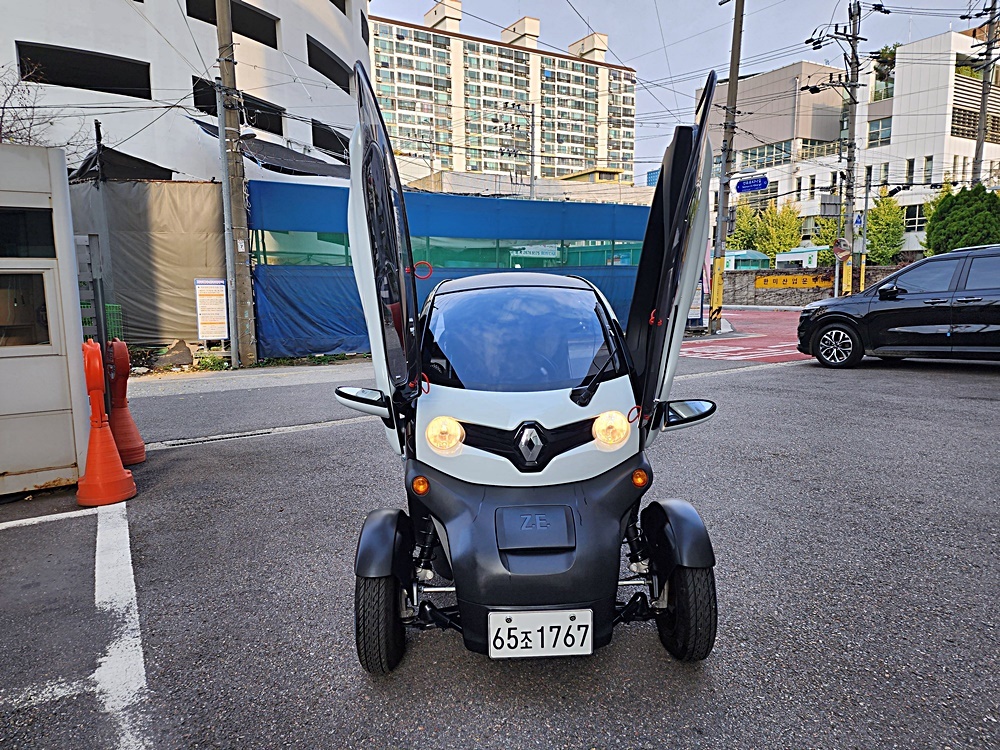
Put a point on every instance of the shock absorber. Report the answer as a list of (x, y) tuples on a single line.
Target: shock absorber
[(426, 538), (638, 555)]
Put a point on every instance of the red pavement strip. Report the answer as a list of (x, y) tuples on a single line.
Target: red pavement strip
[(765, 336)]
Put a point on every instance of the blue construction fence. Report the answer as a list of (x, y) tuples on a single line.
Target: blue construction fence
[(304, 310), (315, 309)]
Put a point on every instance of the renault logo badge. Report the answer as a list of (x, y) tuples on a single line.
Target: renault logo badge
[(530, 444)]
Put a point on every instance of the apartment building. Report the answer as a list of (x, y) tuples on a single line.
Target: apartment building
[(916, 128), (145, 69), (454, 102)]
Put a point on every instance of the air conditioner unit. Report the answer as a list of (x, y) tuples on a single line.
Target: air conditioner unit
[(383, 65)]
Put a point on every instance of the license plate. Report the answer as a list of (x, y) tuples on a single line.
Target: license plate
[(562, 632)]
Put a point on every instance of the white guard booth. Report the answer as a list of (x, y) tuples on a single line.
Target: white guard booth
[(44, 411)]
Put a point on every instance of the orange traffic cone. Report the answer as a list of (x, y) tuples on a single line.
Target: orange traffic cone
[(105, 480), (131, 448)]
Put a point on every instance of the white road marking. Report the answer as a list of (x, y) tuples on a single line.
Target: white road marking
[(120, 676), (50, 517), (181, 442), (44, 693)]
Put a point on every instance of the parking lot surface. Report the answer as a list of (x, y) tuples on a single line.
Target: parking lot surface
[(853, 515)]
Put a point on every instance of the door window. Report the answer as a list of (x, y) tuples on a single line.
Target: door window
[(23, 317), (984, 273), (935, 276)]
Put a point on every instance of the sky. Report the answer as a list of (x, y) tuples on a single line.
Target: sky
[(672, 43)]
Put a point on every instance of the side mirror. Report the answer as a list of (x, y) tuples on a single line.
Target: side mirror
[(678, 414), (366, 400), (889, 291)]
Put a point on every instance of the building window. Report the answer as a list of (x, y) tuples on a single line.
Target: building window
[(915, 219), (324, 61), (364, 29), (868, 176), (910, 167), (812, 186), (884, 174), (928, 169), (798, 188), (879, 132), (247, 20), (768, 155), (327, 139), (883, 90), (73, 68), (341, 4), (255, 112)]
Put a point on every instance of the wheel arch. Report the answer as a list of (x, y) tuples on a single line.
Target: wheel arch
[(840, 317), (385, 546)]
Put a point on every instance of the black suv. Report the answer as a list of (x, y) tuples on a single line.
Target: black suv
[(943, 306)]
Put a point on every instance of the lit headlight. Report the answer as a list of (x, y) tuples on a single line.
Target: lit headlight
[(445, 435), (611, 429)]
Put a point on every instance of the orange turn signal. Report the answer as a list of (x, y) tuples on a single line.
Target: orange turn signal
[(640, 478), (420, 485)]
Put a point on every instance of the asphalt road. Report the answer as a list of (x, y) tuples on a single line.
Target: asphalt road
[(854, 517)]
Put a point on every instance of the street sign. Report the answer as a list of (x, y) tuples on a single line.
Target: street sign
[(858, 221), (752, 184)]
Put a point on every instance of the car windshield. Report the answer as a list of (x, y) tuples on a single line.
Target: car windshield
[(518, 339)]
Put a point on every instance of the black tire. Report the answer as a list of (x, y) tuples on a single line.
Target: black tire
[(378, 625), (687, 626), (837, 345)]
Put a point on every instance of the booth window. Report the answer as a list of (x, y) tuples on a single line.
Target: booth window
[(26, 233), (23, 318), (73, 68)]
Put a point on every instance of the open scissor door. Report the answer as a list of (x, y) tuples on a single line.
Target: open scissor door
[(383, 263), (673, 252)]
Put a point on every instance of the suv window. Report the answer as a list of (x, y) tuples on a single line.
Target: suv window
[(984, 273), (934, 276)]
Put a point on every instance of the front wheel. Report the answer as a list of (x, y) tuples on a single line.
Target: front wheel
[(378, 623), (838, 345), (688, 623)]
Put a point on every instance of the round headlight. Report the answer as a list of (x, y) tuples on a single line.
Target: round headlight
[(611, 429), (445, 434)]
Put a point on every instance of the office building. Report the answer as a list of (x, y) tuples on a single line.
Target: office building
[(917, 121)]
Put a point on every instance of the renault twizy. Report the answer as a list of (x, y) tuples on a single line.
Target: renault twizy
[(522, 410)]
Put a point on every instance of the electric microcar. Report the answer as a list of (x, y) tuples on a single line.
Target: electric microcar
[(522, 410)]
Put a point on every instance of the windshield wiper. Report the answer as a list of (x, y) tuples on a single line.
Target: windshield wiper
[(582, 394)]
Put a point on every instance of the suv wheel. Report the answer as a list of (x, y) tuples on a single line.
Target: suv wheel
[(838, 345)]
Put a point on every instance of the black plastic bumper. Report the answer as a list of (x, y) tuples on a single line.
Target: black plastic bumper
[(558, 547)]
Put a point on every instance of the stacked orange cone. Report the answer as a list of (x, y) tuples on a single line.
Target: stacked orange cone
[(131, 448), (105, 480)]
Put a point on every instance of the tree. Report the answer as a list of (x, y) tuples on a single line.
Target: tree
[(930, 206), (745, 228), (827, 234), (886, 224), (778, 229), (25, 120), (964, 219)]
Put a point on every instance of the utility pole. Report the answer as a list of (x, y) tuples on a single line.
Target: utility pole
[(242, 326), (854, 66), (984, 100), (728, 165)]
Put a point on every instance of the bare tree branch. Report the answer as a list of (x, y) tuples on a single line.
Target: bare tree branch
[(23, 120)]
